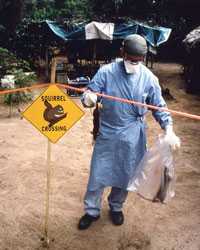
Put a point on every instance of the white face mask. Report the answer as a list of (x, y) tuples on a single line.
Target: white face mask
[(131, 68)]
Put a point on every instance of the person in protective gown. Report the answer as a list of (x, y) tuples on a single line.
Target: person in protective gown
[(121, 141)]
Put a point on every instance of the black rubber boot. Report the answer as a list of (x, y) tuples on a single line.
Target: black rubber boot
[(86, 220), (117, 218)]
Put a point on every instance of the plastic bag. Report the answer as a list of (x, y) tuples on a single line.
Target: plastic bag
[(154, 178)]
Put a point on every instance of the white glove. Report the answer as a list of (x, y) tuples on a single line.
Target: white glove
[(89, 99), (171, 138)]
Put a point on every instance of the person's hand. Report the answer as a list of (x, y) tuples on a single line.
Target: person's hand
[(89, 99), (171, 138)]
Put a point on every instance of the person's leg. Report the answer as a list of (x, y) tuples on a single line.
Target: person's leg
[(116, 199), (92, 202)]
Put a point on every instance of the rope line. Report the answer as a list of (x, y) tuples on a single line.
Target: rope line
[(179, 113), (197, 117), (10, 91)]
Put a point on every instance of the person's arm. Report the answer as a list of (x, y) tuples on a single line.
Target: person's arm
[(162, 117), (89, 98)]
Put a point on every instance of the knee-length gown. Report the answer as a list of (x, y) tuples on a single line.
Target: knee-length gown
[(121, 142)]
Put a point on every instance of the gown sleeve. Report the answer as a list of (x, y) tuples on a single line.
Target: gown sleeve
[(97, 84), (155, 98)]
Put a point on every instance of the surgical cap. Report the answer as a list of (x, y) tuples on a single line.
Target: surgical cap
[(135, 45)]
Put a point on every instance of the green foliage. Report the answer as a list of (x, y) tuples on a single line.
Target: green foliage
[(11, 11), (10, 64), (42, 13), (22, 79), (57, 9), (76, 8), (17, 98), (181, 16)]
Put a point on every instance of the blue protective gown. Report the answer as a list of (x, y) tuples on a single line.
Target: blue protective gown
[(122, 139)]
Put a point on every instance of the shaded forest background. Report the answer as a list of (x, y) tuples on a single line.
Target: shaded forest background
[(180, 15)]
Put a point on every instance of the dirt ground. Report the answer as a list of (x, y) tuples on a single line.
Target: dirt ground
[(175, 226)]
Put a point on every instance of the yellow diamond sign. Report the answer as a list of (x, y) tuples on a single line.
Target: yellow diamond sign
[(53, 113)]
